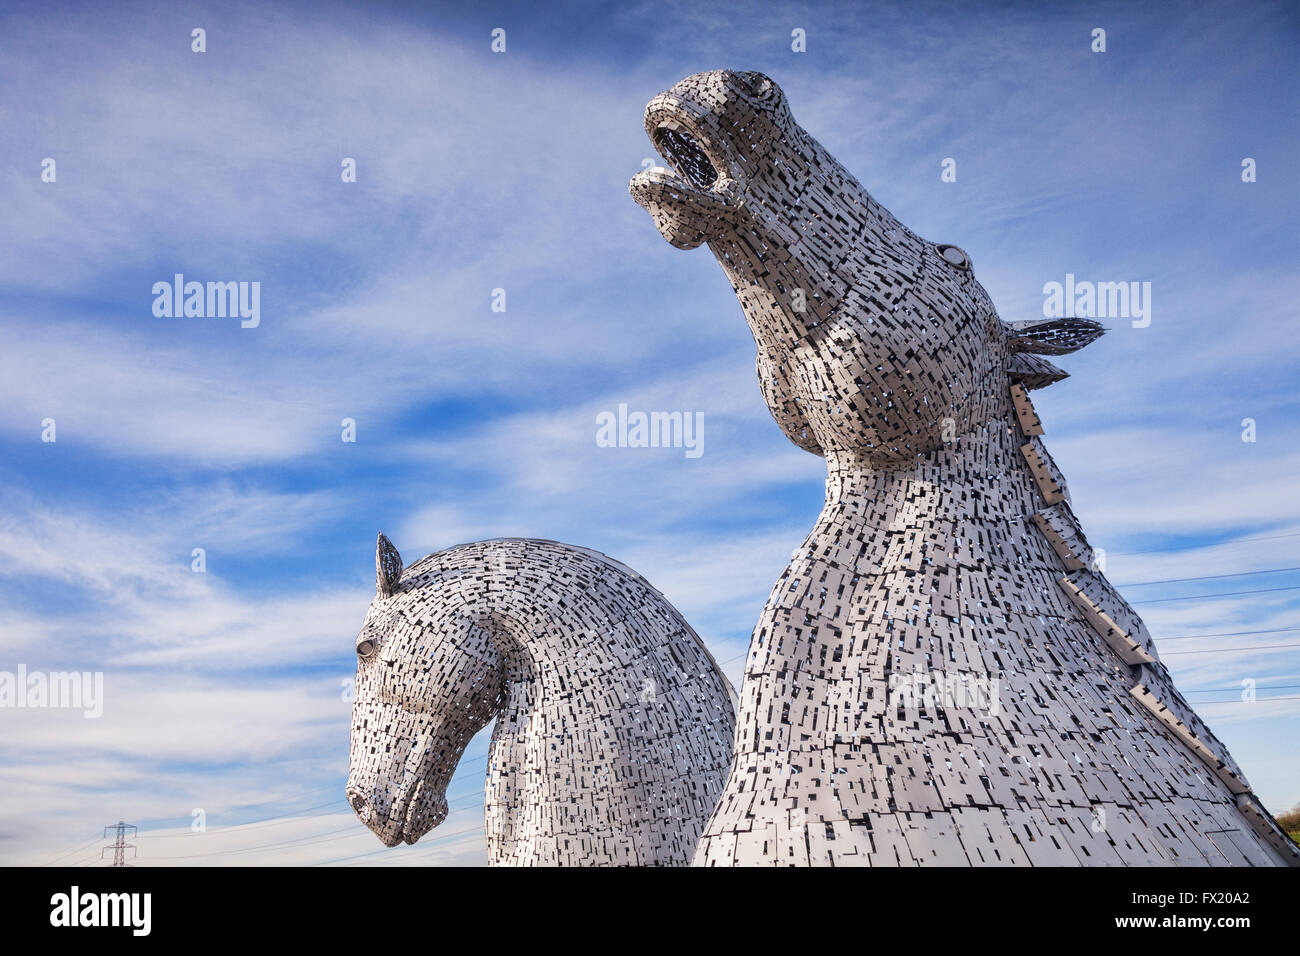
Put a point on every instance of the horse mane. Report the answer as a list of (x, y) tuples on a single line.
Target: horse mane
[(424, 567)]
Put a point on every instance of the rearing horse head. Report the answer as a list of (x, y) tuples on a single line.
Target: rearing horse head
[(428, 679), (871, 340)]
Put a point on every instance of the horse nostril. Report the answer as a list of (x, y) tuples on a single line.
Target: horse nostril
[(358, 803)]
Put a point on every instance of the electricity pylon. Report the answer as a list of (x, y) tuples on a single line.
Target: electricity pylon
[(119, 847)]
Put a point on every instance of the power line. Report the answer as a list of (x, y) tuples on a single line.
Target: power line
[(432, 846), (308, 840), (425, 850), (79, 849), (1233, 650), (265, 803), (1195, 637), (309, 795), (441, 838), (274, 821), (1200, 597), (1257, 700), (1204, 577), (328, 836), (1218, 690), (277, 820), (1206, 547)]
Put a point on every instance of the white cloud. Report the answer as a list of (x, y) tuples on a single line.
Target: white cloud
[(477, 173)]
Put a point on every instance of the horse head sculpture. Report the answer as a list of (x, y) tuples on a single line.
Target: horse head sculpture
[(870, 339), (947, 553), (613, 723)]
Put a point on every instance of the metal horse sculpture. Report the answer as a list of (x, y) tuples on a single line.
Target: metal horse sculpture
[(613, 722), (947, 554)]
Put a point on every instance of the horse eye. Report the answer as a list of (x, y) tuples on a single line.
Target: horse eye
[(955, 257), (365, 648), (760, 84)]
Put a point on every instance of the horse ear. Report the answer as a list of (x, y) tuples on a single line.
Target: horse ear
[(1033, 372), (388, 566), (1052, 336)]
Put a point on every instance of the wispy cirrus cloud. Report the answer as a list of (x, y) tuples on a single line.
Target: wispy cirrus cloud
[(478, 172)]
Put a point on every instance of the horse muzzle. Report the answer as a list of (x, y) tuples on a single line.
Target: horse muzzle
[(403, 817)]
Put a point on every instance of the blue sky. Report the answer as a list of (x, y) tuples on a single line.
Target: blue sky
[(479, 171)]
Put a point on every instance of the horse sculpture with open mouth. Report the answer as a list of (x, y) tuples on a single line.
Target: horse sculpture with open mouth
[(946, 555)]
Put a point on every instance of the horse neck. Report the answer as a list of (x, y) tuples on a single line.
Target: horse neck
[(536, 644), (549, 638), (559, 687), (968, 502)]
